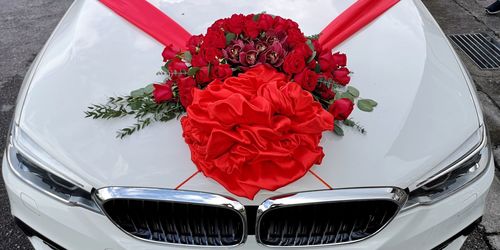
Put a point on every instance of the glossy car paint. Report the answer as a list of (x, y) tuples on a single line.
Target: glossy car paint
[(426, 118)]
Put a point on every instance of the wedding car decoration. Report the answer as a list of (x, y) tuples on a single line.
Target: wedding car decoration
[(257, 94)]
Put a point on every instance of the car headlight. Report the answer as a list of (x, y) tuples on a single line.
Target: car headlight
[(27, 164), (453, 178)]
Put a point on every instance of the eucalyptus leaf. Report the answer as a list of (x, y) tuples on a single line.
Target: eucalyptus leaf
[(149, 89), (365, 105), (312, 57), (372, 102), (353, 91), (310, 44), (338, 130), (137, 93), (348, 96), (164, 68)]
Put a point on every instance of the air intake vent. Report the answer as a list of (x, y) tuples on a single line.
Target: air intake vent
[(481, 48), (175, 217), (327, 217)]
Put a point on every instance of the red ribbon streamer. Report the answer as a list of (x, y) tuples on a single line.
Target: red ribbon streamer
[(150, 20), (356, 17)]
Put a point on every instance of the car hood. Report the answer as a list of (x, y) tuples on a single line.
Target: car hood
[(426, 110)]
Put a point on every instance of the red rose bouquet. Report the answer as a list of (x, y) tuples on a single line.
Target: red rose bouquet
[(258, 94)]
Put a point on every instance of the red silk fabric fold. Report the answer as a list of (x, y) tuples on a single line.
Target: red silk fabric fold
[(356, 17), (150, 20)]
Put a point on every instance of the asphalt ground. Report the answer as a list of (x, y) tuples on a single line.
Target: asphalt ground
[(25, 25)]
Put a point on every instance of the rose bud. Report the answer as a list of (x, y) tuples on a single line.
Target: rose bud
[(341, 76), (307, 79), (341, 108), (169, 53), (339, 59), (163, 92), (186, 85)]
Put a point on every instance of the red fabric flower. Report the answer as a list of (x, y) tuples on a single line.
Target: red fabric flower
[(341, 76), (255, 131), (294, 62), (341, 108), (186, 86), (169, 53), (163, 92), (307, 79)]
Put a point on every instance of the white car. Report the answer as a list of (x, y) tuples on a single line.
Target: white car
[(417, 180)]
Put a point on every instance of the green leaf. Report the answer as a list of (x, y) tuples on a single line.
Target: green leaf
[(317, 69), (349, 123), (312, 57), (137, 92), (164, 68), (338, 130), (353, 91), (256, 17), (192, 71), (372, 102), (347, 95), (365, 105), (187, 56), (310, 44), (229, 37), (149, 89)]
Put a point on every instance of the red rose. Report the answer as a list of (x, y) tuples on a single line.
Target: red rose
[(211, 54), (339, 59), (235, 23), (326, 61), (186, 85), (215, 38), (304, 49), (241, 133), (202, 75), (294, 63), (194, 43), (265, 22), (317, 46), (198, 61), (169, 53), (177, 68), (295, 37), (163, 92), (341, 76), (251, 28), (280, 24), (341, 108), (307, 79), (221, 71), (325, 92)]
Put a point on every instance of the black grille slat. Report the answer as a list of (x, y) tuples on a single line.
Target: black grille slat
[(325, 223), (177, 223), (480, 48)]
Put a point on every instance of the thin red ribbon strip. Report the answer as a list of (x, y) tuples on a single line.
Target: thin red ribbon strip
[(150, 20), (353, 19)]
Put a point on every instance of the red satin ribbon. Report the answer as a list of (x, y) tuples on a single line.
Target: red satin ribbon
[(356, 17), (161, 27), (150, 20)]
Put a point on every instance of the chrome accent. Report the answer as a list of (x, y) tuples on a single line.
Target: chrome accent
[(103, 195), (460, 161), (393, 194)]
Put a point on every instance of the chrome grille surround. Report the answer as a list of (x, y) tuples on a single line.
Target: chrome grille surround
[(338, 196), (109, 194)]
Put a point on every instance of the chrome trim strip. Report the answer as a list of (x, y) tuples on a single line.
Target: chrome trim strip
[(460, 161), (103, 195), (393, 194)]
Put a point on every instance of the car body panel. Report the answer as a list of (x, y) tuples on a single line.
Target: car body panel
[(426, 110)]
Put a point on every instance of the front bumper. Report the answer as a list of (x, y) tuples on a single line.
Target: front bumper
[(423, 227)]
